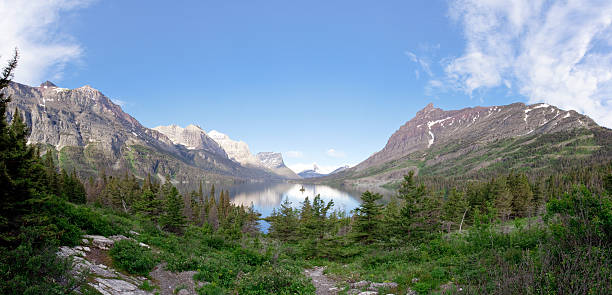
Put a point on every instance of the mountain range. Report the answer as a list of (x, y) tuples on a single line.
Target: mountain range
[(89, 133), (482, 142)]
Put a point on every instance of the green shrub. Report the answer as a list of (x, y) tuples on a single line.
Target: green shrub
[(218, 270), (146, 286), (34, 268), (131, 257), (248, 256), (275, 279), (210, 289)]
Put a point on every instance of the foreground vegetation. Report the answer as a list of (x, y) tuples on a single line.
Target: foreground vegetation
[(508, 235)]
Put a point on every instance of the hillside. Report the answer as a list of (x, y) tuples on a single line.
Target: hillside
[(91, 134), (483, 141)]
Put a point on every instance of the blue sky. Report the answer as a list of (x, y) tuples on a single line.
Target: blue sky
[(320, 81)]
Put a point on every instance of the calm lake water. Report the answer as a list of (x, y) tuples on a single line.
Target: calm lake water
[(267, 196)]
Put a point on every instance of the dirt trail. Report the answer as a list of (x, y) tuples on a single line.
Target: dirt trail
[(324, 285), (169, 282)]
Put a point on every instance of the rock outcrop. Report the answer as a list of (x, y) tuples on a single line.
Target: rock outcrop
[(103, 278), (274, 162), (236, 150)]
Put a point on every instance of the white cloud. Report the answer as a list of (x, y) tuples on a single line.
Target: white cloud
[(335, 154), (32, 27), (118, 102), (559, 52), (294, 154), (423, 62)]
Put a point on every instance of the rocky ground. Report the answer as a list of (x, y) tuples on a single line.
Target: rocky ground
[(327, 286), (91, 258)]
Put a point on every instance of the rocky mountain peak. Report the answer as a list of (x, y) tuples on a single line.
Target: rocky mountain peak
[(47, 84), (428, 111), (192, 137), (236, 150), (193, 127), (271, 160), (216, 135)]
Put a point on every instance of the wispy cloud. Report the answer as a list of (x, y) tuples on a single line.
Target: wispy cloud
[(559, 52), (335, 153), (119, 102), (294, 154), (422, 62), (32, 27)]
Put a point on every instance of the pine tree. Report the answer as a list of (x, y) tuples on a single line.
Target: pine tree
[(368, 218), (213, 214), (172, 218), (196, 204), (52, 177), (521, 194), (413, 210), (392, 220), (284, 222)]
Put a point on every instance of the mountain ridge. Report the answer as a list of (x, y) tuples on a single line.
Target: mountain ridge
[(91, 134), (482, 140)]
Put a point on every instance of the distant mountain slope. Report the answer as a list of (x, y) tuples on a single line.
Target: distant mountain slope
[(483, 141), (316, 172), (192, 137), (274, 162), (236, 150), (340, 169), (239, 152), (92, 134)]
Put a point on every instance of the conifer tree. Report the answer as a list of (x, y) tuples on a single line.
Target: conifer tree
[(413, 210), (284, 222), (521, 194), (195, 204), (213, 215), (172, 218), (368, 218), (392, 220)]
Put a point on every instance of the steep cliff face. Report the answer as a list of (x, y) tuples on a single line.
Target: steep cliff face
[(274, 162), (92, 134), (78, 117), (192, 137), (236, 150)]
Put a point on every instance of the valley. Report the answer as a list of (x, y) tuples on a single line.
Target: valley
[(467, 201)]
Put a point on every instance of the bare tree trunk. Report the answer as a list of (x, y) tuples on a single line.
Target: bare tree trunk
[(462, 219), (124, 207)]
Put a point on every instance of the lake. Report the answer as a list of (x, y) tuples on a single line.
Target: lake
[(267, 196)]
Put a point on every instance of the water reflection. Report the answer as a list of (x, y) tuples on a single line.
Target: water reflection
[(267, 196)]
